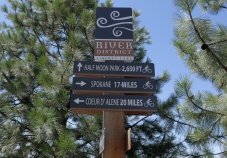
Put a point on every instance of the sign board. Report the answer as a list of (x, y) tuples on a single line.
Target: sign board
[(114, 102), (113, 34), (114, 85), (86, 68)]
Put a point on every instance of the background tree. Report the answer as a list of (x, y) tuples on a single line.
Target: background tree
[(152, 136), (201, 118), (38, 46)]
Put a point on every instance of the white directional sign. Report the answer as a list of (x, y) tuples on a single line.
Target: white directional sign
[(114, 85), (84, 68)]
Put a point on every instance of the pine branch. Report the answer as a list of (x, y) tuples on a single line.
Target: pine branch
[(88, 126), (53, 36), (64, 27), (24, 100), (42, 43), (71, 123), (191, 100), (83, 144), (14, 120), (218, 140), (215, 123), (203, 155), (131, 126), (224, 7), (202, 40), (7, 79), (217, 42), (2, 53), (193, 23), (218, 60), (212, 128), (62, 76), (183, 123), (86, 35), (16, 56)]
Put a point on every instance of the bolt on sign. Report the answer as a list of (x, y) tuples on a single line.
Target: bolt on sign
[(114, 34)]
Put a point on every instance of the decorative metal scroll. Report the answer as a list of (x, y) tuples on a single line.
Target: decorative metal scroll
[(117, 27), (114, 23)]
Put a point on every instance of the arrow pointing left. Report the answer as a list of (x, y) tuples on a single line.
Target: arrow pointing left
[(78, 101)]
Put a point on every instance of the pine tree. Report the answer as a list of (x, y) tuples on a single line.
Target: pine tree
[(38, 47), (152, 136), (201, 119)]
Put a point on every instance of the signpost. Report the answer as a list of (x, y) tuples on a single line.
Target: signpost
[(114, 89), (86, 68), (114, 85)]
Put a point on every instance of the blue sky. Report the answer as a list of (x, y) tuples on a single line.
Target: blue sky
[(158, 17)]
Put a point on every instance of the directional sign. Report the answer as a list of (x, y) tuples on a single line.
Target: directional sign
[(114, 85), (113, 102), (85, 68)]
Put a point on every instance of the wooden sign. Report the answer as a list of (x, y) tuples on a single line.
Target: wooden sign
[(86, 68), (114, 102), (114, 85), (113, 34)]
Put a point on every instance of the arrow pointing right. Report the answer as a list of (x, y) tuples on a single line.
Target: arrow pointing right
[(78, 100), (81, 83)]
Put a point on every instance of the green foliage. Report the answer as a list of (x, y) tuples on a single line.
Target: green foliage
[(191, 34), (37, 52), (66, 144), (150, 139), (201, 44), (185, 5), (43, 122), (213, 6)]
